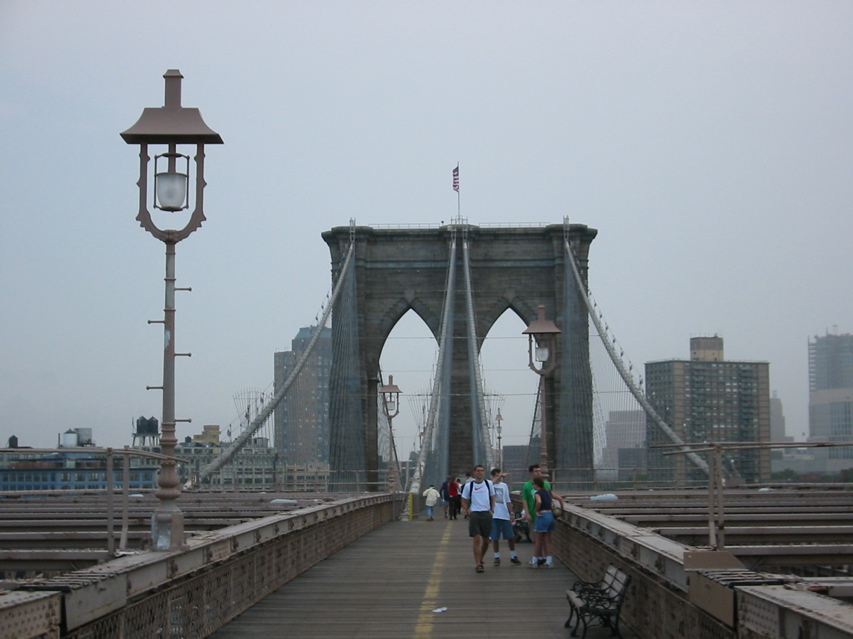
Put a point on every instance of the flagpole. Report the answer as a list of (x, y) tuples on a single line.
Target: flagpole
[(458, 193)]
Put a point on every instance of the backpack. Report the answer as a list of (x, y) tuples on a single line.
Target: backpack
[(488, 483)]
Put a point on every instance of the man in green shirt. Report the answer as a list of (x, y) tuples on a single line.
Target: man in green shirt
[(528, 496)]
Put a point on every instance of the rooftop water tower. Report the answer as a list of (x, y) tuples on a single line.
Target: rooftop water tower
[(147, 431)]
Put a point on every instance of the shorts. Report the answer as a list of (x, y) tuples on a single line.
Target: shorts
[(544, 523), (480, 523), (501, 527)]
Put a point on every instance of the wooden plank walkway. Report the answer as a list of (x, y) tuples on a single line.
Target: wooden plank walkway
[(392, 583)]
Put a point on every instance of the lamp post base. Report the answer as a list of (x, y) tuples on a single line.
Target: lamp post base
[(167, 528)]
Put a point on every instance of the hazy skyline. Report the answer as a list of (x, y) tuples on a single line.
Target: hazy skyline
[(708, 142)]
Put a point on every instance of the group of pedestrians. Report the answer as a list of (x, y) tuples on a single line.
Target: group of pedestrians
[(487, 505), (451, 494)]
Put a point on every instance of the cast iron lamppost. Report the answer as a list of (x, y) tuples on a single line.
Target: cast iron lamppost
[(544, 332), (391, 406), (168, 127)]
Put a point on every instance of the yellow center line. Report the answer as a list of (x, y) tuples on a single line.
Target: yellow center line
[(430, 601)]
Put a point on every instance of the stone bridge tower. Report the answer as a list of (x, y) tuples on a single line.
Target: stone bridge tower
[(400, 269)]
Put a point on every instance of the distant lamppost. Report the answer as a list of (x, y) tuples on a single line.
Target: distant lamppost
[(170, 126), (391, 406), (544, 333), (499, 419)]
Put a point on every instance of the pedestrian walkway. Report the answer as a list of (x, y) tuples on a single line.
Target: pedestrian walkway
[(415, 579)]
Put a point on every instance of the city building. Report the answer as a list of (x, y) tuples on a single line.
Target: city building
[(258, 466), (516, 462), (777, 421), (632, 464), (301, 423), (709, 399), (76, 465), (831, 395), (624, 429)]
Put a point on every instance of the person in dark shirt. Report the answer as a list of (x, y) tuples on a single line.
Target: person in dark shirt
[(545, 519)]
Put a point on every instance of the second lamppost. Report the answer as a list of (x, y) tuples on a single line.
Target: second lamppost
[(170, 126), (391, 406), (499, 419), (543, 333)]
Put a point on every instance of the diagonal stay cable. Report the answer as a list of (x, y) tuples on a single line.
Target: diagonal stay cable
[(267, 410), (623, 372)]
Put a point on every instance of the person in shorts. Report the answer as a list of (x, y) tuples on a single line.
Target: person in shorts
[(501, 519), (545, 519), (478, 501), (528, 492)]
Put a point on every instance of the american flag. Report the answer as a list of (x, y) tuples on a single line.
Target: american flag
[(456, 179)]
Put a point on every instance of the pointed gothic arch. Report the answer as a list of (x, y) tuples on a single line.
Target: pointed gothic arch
[(397, 270)]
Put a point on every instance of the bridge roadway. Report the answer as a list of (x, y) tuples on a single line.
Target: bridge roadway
[(394, 581)]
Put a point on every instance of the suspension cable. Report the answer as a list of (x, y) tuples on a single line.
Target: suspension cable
[(430, 447), (623, 372), (267, 410), (482, 441)]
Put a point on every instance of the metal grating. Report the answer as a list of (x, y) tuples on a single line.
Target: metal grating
[(30, 614), (758, 616), (710, 628)]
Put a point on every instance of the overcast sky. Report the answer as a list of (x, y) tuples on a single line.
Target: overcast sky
[(708, 142)]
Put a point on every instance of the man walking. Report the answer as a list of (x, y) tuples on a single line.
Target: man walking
[(445, 493), (432, 497), (478, 501), (501, 523)]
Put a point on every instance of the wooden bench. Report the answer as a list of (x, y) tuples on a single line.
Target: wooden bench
[(601, 600)]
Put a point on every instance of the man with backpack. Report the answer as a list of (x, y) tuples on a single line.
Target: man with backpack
[(478, 501)]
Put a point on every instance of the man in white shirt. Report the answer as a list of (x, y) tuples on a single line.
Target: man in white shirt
[(432, 497), (478, 501), (501, 520)]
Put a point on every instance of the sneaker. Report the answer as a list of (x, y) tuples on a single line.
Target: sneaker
[(497, 561), (542, 562), (533, 564), (515, 560), (549, 565)]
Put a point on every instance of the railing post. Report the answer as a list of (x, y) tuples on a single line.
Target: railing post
[(111, 542)]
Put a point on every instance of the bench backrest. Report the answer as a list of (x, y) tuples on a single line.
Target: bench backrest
[(618, 584), (610, 575)]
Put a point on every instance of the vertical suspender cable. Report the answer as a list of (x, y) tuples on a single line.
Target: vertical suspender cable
[(433, 444), (482, 442)]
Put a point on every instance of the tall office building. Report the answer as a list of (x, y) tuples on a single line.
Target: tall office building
[(777, 421), (831, 392), (709, 399), (623, 429), (302, 417)]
